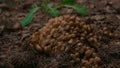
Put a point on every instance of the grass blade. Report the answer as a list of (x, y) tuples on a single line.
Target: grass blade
[(80, 9), (53, 11), (29, 17)]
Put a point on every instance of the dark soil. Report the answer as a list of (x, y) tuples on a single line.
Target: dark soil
[(15, 51)]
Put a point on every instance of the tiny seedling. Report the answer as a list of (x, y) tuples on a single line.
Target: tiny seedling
[(50, 8)]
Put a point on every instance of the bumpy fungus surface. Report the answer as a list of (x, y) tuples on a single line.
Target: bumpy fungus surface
[(70, 35)]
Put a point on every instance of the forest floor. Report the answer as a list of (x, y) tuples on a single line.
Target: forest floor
[(15, 51)]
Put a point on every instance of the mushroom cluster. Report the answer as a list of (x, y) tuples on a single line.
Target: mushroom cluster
[(70, 35)]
